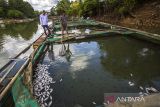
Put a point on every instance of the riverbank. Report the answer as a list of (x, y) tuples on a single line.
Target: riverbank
[(10, 21), (144, 18)]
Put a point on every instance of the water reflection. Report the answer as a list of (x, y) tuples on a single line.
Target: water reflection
[(65, 51), (102, 66), (68, 53), (25, 30), (15, 37), (51, 53), (130, 59)]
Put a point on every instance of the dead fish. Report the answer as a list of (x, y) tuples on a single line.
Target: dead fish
[(141, 88), (50, 103), (131, 83), (105, 104), (53, 82), (153, 89), (60, 80), (42, 82), (150, 89), (94, 103)]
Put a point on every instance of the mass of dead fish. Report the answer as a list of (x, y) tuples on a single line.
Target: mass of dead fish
[(42, 88), (145, 91)]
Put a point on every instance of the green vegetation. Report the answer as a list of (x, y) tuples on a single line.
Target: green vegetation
[(1, 12), (14, 14), (53, 11), (26, 30), (16, 9), (86, 8)]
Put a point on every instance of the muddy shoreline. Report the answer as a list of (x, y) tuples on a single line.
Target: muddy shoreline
[(134, 24), (145, 18)]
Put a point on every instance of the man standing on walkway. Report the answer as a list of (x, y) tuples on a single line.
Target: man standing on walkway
[(63, 20), (44, 22)]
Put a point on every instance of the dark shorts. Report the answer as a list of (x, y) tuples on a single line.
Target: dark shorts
[(45, 26), (64, 26)]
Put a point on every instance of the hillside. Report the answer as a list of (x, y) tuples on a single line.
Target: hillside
[(145, 17)]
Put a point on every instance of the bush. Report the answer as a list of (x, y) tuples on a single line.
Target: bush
[(123, 11), (14, 14), (130, 4)]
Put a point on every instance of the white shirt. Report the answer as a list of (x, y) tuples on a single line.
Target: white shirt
[(43, 19)]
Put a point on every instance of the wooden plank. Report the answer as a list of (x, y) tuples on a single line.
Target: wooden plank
[(39, 41)]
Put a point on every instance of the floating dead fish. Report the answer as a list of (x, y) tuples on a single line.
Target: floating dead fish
[(145, 49), (141, 88), (153, 89), (131, 83), (131, 75), (145, 94), (50, 103), (42, 89), (140, 93), (60, 80), (150, 90), (53, 82), (94, 103), (144, 52), (105, 104)]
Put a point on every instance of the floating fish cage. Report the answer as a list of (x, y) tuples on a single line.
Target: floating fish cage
[(78, 68), (78, 71)]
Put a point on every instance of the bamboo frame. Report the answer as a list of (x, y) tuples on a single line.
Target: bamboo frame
[(13, 80), (4, 76)]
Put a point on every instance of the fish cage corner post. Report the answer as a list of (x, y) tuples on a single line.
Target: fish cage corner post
[(28, 76)]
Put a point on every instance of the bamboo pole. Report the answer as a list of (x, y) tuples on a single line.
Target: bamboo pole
[(4, 76), (26, 49), (13, 80)]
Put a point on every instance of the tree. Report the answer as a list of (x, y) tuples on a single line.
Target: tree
[(63, 6), (3, 3), (129, 4), (27, 10), (3, 8), (36, 13), (22, 6), (1, 12), (53, 11), (16, 4), (113, 8), (90, 7), (74, 8), (15, 14)]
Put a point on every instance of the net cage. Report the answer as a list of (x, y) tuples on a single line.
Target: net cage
[(19, 96)]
